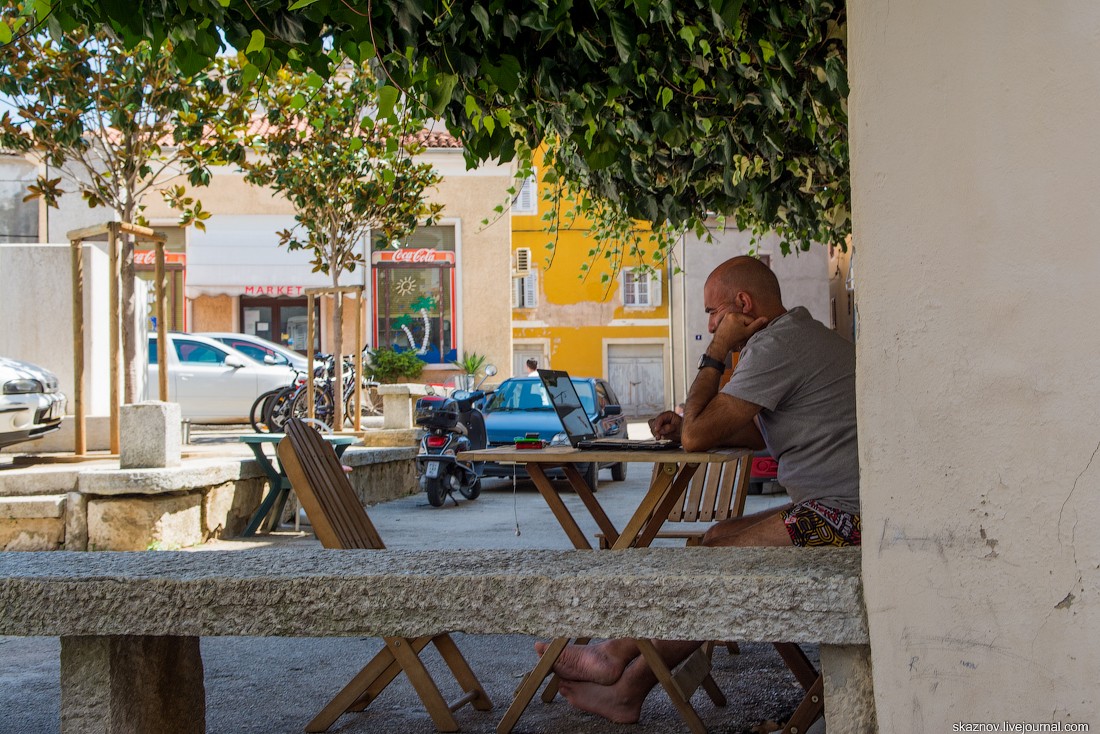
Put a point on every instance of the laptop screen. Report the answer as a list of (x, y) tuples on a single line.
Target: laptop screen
[(567, 403)]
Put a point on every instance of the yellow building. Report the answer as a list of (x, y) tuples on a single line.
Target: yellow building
[(571, 319)]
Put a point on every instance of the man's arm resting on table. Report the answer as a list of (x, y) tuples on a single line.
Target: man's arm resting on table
[(713, 419)]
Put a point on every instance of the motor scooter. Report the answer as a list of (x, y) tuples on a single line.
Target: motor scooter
[(451, 425)]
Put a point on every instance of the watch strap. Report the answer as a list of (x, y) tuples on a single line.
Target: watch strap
[(708, 361)]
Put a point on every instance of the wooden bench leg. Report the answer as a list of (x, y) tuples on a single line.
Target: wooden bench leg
[(128, 683)]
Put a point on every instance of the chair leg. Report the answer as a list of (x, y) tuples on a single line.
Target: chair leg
[(551, 690), (375, 688), (352, 692), (422, 682), (809, 711), (530, 685), (664, 677), (462, 671)]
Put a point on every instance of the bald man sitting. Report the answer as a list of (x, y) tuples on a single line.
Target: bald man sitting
[(792, 392)]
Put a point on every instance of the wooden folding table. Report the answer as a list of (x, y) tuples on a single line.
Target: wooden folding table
[(670, 481)]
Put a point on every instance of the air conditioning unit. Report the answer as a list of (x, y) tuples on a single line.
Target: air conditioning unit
[(522, 263)]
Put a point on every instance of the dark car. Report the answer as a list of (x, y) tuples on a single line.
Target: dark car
[(520, 406)]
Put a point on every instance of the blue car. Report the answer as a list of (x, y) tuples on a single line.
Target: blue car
[(520, 406)]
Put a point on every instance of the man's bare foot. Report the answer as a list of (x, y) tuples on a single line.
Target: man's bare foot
[(589, 663), (606, 701)]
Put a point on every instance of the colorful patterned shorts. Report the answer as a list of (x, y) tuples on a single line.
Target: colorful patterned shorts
[(811, 523)]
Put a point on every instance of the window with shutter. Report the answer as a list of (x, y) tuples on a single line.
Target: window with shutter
[(526, 201), (525, 290), (642, 289)]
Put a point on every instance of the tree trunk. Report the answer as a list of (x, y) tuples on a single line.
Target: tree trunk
[(128, 312)]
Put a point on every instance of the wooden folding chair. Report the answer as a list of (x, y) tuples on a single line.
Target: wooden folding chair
[(717, 492), (339, 521)]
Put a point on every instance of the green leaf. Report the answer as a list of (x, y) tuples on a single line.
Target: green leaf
[(355, 144), (256, 43), (623, 36), (767, 50), (249, 74), (5, 32), (301, 4), (387, 98)]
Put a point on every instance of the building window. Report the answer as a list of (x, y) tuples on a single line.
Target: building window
[(641, 288), (414, 294), (525, 280), (527, 198), (525, 290)]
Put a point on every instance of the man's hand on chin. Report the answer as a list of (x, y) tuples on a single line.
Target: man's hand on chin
[(732, 333), (666, 425)]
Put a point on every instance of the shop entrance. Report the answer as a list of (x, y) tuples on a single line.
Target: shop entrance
[(281, 320)]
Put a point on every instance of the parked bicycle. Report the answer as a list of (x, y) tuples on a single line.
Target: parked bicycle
[(272, 409)]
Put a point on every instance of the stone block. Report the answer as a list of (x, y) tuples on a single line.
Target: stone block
[(383, 481), (398, 402), (32, 534), (392, 438), (227, 508), (150, 435), (48, 505), (849, 694), (76, 522), (140, 523), (127, 684)]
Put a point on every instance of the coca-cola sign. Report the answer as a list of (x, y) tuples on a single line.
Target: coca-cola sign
[(414, 256), (149, 257)]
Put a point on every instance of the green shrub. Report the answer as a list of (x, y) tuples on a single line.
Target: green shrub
[(390, 366)]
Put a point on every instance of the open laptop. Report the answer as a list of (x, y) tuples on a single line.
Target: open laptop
[(578, 427)]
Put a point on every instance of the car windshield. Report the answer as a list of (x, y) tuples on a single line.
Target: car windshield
[(531, 395)]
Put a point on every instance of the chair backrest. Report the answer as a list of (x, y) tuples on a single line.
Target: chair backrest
[(334, 510), (717, 492)]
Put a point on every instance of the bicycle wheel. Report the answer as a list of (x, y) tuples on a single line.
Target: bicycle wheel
[(278, 410), (322, 405), (371, 405), (260, 409)]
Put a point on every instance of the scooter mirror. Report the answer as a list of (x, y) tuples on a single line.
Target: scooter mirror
[(490, 370)]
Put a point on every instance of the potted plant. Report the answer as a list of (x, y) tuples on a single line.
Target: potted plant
[(470, 364)]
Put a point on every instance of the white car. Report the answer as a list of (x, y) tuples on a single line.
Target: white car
[(213, 383), (260, 349), (30, 403)]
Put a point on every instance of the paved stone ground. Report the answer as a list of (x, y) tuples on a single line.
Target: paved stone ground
[(276, 684)]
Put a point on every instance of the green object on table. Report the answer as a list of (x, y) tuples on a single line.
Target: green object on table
[(272, 505)]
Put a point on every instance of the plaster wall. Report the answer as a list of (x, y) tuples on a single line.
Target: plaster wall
[(975, 165), (36, 283), (486, 252), (803, 278)]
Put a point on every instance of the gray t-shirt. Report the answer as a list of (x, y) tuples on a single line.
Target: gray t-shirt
[(803, 376)]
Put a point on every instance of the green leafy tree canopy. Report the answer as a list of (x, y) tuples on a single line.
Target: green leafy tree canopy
[(668, 110)]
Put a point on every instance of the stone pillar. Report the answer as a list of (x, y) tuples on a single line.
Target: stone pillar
[(849, 695), (127, 684), (398, 403), (150, 435)]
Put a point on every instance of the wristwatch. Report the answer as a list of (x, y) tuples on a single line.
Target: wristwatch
[(707, 361)]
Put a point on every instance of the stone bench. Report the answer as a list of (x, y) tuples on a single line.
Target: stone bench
[(130, 623)]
